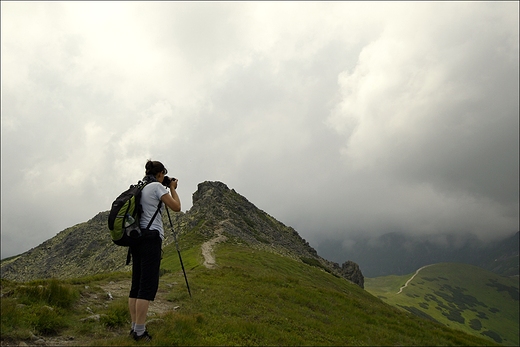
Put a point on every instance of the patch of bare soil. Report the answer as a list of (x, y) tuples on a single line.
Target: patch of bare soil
[(157, 307), (207, 248)]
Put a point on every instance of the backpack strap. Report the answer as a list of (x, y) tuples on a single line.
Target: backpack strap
[(154, 215), (129, 253)]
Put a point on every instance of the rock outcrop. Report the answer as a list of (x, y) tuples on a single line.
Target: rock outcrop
[(351, 270)]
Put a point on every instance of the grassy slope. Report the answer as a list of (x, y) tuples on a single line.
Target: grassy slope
[(259, 298), (460, 296), (255, 298)]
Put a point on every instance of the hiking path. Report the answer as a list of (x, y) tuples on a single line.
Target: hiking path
[(207, 247), (411, 278)]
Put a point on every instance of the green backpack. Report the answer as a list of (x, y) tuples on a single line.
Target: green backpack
[(123, 220)]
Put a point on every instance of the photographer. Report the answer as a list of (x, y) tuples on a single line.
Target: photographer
[(146, 253)]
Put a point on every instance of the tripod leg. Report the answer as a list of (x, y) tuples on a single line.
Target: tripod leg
[(178, 251)]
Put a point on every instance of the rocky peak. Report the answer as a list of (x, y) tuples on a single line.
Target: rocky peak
[(210, 190), (214, 202)]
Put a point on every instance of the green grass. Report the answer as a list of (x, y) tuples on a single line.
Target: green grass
[(460, 296), (42, 307), (252, 297), (258, 298)]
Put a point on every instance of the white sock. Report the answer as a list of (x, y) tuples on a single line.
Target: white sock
[(139, 329), (133, 325)]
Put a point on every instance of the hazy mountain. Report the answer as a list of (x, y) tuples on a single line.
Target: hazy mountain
[(399, 254)]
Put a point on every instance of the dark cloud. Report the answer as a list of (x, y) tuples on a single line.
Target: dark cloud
[(338, 119)]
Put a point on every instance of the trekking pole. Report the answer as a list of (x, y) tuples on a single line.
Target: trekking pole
[(178, 251)]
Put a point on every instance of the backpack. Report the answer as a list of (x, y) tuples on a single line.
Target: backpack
[(124, 216)]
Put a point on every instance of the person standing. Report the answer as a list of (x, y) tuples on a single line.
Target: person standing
[(146, 253)]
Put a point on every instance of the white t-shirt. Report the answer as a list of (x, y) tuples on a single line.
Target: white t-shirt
[(150, 198)]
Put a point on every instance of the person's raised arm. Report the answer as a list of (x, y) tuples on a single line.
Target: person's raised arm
[(172, 200)]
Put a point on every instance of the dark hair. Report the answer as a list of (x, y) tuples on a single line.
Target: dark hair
[(154, 167)]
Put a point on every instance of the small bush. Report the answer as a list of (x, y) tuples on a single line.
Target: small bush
[(116, 315), (493, 335), (19, 320), (62, 295), (475, 324), (10, 317), (48, 321), (52, 293)]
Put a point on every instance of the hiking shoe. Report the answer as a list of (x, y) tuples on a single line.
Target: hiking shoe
[(131, 333), (144, 337)]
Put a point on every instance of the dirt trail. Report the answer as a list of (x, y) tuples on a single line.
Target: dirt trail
[(415, 274), (159, 306), (207, 248)]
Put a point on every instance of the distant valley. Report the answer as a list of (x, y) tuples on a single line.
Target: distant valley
[(399, 254), (460, 296)]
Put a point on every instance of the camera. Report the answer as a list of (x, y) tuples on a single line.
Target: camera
[(167, 181)]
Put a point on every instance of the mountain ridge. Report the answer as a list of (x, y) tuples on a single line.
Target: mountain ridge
[(86, 248)]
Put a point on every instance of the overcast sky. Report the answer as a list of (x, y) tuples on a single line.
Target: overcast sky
[(337, 118)]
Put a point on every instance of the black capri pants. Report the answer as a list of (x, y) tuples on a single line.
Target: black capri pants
[(146, 263)]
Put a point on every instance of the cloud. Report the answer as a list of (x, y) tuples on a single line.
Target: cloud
[(423, 109), (336, 118)]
